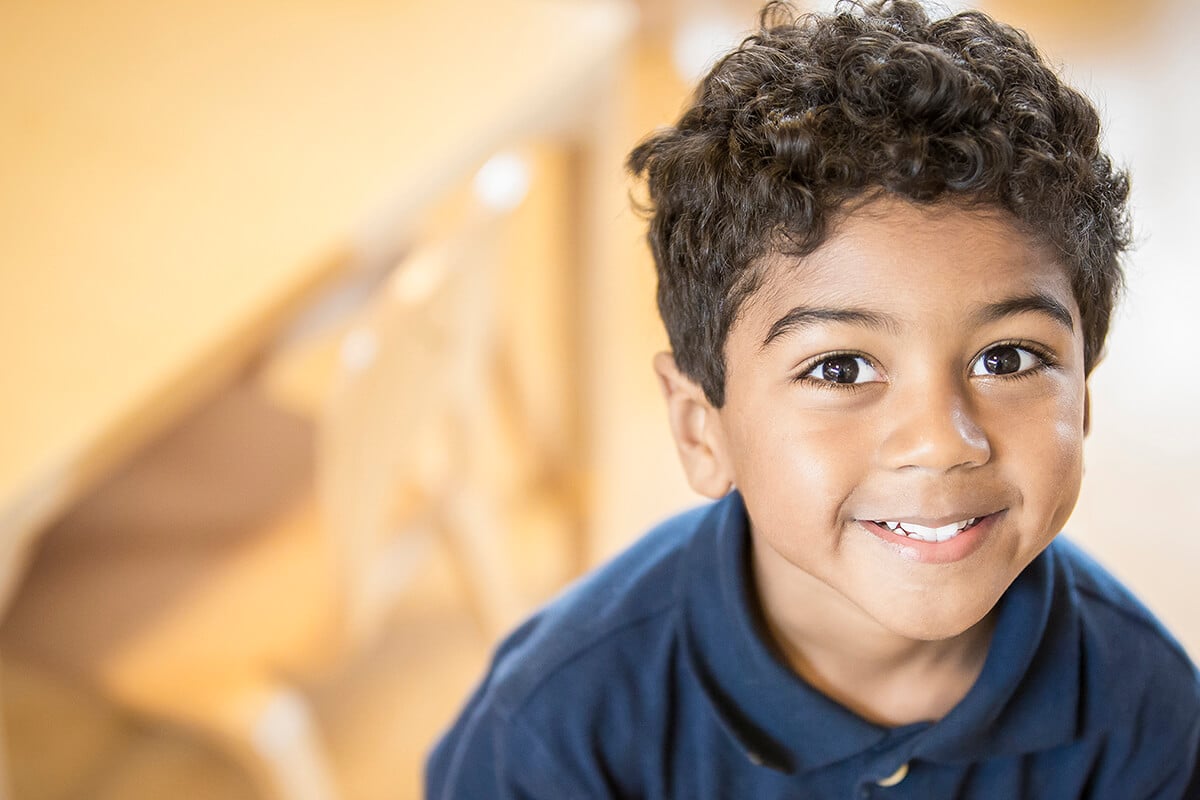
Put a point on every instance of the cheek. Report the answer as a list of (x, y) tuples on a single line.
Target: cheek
[(799, 467), (1067, 456), (812, 449), (1050, 469)]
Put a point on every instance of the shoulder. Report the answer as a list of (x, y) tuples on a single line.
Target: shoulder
[(625, 605), (613, 629), (1132, 669), (565, 689), (1115, 623)]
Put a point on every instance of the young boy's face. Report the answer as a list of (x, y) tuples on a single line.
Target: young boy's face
[(923, 367)]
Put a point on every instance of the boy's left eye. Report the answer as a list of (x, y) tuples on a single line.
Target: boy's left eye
[(1005, 359)]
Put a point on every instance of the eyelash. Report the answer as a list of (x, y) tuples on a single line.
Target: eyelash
[(1045, 358), (813, 363)]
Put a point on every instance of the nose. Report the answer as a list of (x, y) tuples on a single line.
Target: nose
[(934, 428)]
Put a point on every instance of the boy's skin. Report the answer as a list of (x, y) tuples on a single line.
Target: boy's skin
[(945, 296)]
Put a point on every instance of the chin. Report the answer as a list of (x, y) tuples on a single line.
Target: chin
[(926, 626)]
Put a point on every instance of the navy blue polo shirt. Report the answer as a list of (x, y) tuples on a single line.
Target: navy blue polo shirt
[(653, 678)]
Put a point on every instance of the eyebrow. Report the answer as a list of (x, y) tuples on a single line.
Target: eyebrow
[(1036, 302), (804, 316)]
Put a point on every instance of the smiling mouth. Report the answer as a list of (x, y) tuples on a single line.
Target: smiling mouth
[(912, 530)]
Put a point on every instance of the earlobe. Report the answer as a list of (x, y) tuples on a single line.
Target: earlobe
[(696, 428)]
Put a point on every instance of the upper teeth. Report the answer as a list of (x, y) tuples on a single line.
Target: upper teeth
[(926, 534)]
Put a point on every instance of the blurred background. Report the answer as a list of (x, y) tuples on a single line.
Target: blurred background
[(326, 331)]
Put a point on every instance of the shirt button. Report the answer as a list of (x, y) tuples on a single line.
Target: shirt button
[(754, 758), (897, 776)]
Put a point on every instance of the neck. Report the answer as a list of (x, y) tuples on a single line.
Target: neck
[(882, 676)]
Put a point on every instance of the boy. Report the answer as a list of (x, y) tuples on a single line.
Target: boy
[(887, 251)]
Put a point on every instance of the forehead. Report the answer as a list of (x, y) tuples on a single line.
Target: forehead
[(933, 261)]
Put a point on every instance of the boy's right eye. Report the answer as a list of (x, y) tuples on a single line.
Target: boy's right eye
[(843, 369)]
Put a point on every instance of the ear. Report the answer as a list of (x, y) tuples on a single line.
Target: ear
[(696, 426), (1087, 409)]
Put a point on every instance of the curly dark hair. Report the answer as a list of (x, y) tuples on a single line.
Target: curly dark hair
[(814, 111)]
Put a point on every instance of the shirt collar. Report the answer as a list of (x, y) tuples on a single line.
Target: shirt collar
[(1024, 700)]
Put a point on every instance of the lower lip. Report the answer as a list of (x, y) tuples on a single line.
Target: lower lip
[(947, 552)]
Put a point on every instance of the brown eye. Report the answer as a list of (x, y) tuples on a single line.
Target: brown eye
[(1005, 359), (843, 369)]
